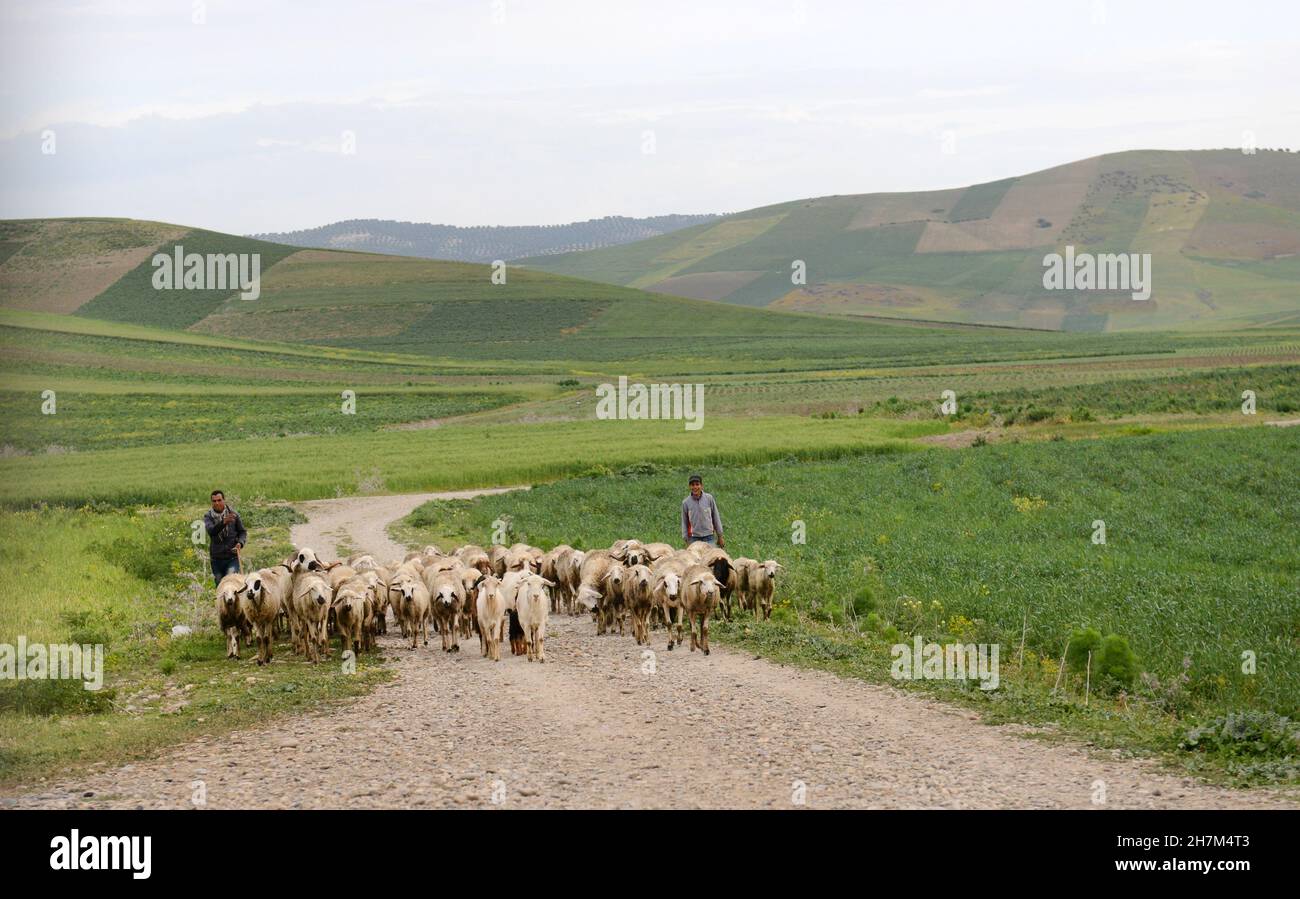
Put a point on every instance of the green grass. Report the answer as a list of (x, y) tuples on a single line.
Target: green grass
[(89, 421), (134, 300), (122, 578), (1200, 565), (436, 459)]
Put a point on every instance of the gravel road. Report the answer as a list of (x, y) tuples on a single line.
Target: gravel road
[(604, 724)]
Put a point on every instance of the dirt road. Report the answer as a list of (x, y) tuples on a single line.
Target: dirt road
[(605, 724)]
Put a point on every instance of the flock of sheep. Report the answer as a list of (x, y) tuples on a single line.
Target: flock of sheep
[(498, 593)]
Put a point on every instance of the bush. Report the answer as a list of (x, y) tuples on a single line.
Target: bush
[(864, 601), (1083, 641), (1116, 662)]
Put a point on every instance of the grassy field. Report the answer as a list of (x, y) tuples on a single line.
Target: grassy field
[(1200, 564), (123, 579)]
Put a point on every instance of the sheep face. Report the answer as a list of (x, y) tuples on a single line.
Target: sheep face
[(672, 584), (588, 596), (306, 560), (771, 567)]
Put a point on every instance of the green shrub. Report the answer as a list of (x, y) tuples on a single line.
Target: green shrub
[(1116, 662), (1082, 641)]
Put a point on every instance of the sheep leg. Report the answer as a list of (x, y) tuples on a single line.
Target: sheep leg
[(704, 632)]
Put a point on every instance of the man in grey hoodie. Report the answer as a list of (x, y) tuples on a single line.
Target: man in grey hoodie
[(226, 534), (700, 518)]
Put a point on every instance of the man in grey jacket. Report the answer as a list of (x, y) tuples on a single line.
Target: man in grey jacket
[(226, 534), (700, 518)]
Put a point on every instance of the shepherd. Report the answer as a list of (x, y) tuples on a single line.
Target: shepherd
[(227, 537), (700, 518)]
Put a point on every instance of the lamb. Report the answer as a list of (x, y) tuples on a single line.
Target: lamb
[(412, 604), (700, 594), (533, 605), (229, 618), (447, 597), (268, 593), (638, 587), (490, 608)]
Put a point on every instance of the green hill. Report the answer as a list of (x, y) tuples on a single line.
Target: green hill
[(1222, 228), (102, 270)]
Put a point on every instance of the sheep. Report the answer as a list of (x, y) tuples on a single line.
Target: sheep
[(533, 606), (497, 557), (469, 580), (310, 609), (667, 596), (362, 562), (474, 557), (490, 609), (349, 605), (412, 605), (743, 568), (568, 574), (230, 619), (638, 586), (601, 589), (723, 570), (700, 594), (629, 552), (522, 558), (433, 550), (657, 551), (550, 566), (761, 584), (267, 595), (447, 597), (380, 599)]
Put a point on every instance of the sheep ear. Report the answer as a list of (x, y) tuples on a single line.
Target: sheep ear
[(548, 583)]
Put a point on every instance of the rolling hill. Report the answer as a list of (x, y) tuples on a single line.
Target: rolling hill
[(482, 244), (101, 270), (1222, 228)]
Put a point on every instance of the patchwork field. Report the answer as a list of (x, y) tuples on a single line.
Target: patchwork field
[(974, 254)]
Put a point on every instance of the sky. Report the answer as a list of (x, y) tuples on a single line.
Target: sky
[(265, 116)]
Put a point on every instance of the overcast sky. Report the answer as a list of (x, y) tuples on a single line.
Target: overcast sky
[(263, 116)]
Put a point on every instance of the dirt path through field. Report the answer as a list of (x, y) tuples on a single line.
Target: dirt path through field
[(607, 724), (362, 521)]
